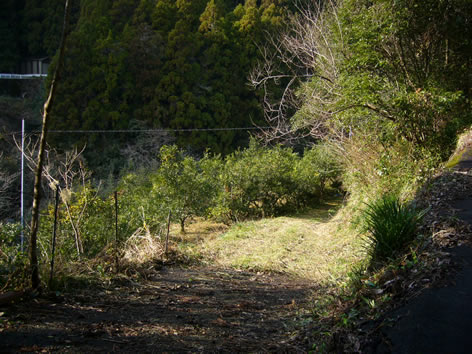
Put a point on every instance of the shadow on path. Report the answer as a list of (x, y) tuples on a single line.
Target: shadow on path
[(437, 321), (440, 319), (178, 310)]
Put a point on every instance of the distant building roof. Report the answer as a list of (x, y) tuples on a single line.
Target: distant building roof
[(30, 69)]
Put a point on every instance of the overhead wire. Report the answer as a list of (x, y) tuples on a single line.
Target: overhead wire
[(137, 131)]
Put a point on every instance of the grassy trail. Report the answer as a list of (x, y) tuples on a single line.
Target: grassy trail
[(315, 245)]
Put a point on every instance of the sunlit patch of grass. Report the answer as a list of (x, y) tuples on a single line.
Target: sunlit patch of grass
[(454, 160), (313, 245), (464, 142), (198, 231)]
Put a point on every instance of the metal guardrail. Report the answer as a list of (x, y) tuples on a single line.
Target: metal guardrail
[(22, 76)]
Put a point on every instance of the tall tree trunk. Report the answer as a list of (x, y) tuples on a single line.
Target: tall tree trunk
[(33, 253)]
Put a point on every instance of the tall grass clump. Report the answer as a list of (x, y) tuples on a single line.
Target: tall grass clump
[(390, 226)]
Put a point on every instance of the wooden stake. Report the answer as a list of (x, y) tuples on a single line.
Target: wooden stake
[(116, 231), (116, 218), (54, 230), (168, 229)]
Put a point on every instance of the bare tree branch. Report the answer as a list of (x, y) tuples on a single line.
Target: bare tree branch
[(7, 182), (66, 172), (290, 60)]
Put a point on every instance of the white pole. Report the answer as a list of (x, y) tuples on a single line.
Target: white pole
[(22, 181)]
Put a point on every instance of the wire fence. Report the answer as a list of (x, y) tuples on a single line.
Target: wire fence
[(86, 225)]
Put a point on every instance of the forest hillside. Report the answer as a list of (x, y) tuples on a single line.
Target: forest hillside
[(137, 65)]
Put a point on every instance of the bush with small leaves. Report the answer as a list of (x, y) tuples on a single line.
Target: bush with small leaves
[(258, 181), (186, 186), (138, 206), (314, 172)]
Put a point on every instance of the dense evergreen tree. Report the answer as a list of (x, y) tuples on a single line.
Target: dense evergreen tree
[(9, 35), (171, 64), (40, 24), (164, 63)]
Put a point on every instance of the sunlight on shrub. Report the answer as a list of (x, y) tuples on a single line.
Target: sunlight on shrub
[(390, 226), (142, 246)]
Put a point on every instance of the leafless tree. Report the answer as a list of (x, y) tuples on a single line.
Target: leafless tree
[(302, 53), (7, 182), (65, 171), (144, 151)]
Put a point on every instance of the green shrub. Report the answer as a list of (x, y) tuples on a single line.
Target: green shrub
[(390, 226), (373, 167), (86, 221), (137, 204), (85, 224), (267, 181), (12, 259), (186, 186), (314, 172), (258, 181)]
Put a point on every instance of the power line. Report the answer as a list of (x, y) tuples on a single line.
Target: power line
[(134, 131), (152, 130)]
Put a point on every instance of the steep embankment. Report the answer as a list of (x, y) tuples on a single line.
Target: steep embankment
[(439, 319)]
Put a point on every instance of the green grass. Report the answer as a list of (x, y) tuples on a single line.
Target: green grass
[(390, 226), (454, 160), (316, 245)]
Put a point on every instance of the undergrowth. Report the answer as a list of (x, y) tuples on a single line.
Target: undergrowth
[(390, 225)]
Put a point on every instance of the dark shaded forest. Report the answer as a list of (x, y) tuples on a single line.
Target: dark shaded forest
[(146, 64)]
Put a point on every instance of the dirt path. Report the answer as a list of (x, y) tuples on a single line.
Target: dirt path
[(439, 320), (176, 310)]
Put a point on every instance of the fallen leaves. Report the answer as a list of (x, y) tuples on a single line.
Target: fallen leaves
[(221, 322), (178, 310)]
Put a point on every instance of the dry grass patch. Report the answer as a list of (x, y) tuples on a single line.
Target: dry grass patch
[(142, 247)]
